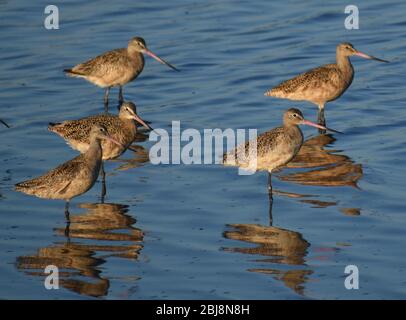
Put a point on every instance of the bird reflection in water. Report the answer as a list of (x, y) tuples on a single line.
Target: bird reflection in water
[(333, 169), (282, 248), (285, 248), (139, 154), (79, 261), (324, 168)]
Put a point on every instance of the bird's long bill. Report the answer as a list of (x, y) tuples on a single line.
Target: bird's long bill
[(114, 141), (312, 124), (139, 120), (153, 55), (367, 56), (4, 123)]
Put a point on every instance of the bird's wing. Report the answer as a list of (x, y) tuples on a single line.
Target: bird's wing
[(102, 64), (309, 79), (64, 187), (79, 130), (59, 177), (265, 143)]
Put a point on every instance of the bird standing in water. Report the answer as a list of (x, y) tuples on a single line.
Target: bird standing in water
[(274, 148), (116, 67), (73, 177), (121, 128), (322, 84)]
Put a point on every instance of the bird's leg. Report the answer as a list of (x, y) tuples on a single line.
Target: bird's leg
[(321, 120), (103, 174), (120, 96), (67, 212), (106, 99), (270, 198)]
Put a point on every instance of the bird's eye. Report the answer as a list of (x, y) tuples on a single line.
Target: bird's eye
[(295, 115)]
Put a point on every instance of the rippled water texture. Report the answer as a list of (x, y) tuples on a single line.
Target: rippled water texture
[(203, 231)]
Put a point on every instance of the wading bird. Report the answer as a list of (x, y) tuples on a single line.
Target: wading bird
[(116, 67), (122, 128), (73, 177), (274, 148), (322, 84)]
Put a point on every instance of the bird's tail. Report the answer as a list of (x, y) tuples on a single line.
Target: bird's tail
[(72, 73), (52, 126), (23, 186), (274, 92)]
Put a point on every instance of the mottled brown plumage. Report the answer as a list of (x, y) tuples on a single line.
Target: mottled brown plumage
[(318, 86), (274, 148), (122, 128), (116, 67), (72, 178), (113, 68), (322, 84)]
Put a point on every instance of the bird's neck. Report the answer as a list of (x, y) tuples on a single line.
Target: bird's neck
[(133, 53), (130, 125), (344, 64), (95, 150), (295, 134)]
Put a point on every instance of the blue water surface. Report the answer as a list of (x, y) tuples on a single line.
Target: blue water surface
[(203, 231)]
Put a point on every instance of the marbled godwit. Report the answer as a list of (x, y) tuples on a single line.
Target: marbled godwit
[(73, 177), (322, 84), (116, 67), (4, 123), (275, 148), (121, 128)]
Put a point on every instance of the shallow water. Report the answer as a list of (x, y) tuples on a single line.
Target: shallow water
[(202, 231)]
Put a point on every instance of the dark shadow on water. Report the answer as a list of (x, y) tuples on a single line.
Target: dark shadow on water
[(103, 231)]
